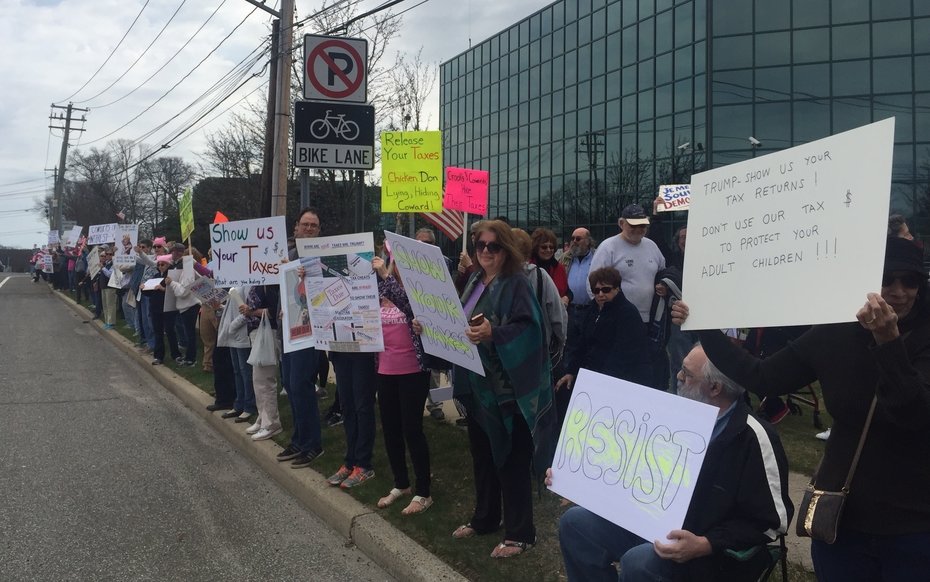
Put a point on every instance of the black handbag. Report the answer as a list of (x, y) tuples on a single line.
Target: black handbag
[(820, 511)]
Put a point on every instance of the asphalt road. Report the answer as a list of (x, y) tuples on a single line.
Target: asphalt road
[(105, 476)]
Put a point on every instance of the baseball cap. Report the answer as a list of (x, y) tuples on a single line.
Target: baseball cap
[(634, 215)]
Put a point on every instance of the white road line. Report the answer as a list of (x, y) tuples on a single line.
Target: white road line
[(4, 281)]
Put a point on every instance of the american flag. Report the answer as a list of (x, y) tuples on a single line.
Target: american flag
[(450, 222)]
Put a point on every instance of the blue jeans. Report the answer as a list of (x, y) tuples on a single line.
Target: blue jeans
[(145, 316), (245, 393), (301, 393), (355, 382), (590, 544), (859, 557)]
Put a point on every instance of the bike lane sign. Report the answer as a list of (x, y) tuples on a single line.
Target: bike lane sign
[(335, 68), (339, 136)]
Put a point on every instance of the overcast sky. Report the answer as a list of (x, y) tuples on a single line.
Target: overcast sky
[(52, 48)]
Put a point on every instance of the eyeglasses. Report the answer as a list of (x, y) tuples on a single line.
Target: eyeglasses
[(491, 247), (310, 225), (604, 290), (577, 238), (908, 280), (547, 247)]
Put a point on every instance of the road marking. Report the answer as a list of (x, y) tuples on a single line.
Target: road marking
[(4, 281)]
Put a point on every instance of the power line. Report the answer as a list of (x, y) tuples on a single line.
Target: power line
[(22, 182), (110, 56), (178, 52), (139, 58), (175, 86)]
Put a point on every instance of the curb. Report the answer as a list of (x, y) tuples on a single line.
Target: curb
[(395, 552)]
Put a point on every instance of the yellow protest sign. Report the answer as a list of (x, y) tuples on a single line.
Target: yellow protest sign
[(186, 210), (411, 171)]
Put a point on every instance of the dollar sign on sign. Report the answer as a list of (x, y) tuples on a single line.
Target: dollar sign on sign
[(848, 198)]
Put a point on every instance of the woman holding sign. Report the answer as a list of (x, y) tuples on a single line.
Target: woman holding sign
[(403, 383), (875, 376), (511, 416)]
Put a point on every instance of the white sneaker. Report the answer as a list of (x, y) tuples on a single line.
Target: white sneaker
[(254, 428), (283, 392), (266, 433), (823, 435)]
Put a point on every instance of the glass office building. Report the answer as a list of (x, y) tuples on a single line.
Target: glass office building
[(588, 105)]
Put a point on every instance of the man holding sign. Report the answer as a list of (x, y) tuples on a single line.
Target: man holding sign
[(740, 499)]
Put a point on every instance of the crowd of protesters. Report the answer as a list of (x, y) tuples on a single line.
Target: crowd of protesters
[(538, 314)]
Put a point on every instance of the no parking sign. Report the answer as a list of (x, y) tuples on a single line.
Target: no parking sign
[(335, 68)]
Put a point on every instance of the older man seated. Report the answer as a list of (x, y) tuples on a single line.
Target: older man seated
[(740, 499)]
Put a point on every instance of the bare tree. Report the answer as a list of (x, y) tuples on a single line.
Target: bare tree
[(235, 150), (412, 81), (165, 179)]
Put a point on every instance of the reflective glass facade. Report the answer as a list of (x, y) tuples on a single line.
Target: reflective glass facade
[(588, 105)]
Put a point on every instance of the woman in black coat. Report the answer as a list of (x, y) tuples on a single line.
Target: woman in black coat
[(611, 339)]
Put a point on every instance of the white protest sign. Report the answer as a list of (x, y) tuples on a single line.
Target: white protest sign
[(206, 290), (342, 292), (71, 237), (674, 197), (248, 252), (53, 238), (631, 454), (296, 329), (766, 232), (93, 262), (47, 265), (151, 284), (100, 234), (434, 301), (127, 239)]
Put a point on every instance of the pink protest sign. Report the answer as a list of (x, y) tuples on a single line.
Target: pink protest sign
[(467, 190)]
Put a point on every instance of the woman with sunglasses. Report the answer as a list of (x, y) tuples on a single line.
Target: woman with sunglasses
[(511, 417), (612, 337), (884, 530), (543, 256)]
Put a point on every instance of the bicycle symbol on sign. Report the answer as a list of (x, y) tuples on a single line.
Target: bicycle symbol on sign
[(337, 124)]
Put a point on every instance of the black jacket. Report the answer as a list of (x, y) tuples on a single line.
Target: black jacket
[(611, 341), (735, 505)]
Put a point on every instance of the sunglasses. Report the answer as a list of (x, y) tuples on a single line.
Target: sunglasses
[(908, 280), (547, 247), (491, 247), (604, 290)]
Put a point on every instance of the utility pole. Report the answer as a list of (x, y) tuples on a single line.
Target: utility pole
[(268, 157), (282, 120), (62, 162)]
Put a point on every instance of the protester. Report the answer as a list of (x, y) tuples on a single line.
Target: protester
[(186, 308), (233, 333), (356, 383), (884, 530), (300, 368), (403, 383), (263, 301), (107, 293), (224, 378), (156, 303), (543, 256), (740, 500), (611, 339), (577, 267), (510, 414)]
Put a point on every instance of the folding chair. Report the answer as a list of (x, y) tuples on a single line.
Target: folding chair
[(757, 564)]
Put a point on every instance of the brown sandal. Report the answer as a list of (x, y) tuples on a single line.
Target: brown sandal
[(464, 531)]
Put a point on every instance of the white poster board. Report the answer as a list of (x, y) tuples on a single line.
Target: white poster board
[(296, 329), (795, 237), (127, 237), (151, 284), (93, 262), (434, 301), (248, 252), (53, 238), (674, 197), (71, 237), (631, 454), (100, 234), (342, 288), (47, 266), (206, 290)]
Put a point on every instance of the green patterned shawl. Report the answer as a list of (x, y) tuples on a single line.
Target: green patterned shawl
[(517, 367)]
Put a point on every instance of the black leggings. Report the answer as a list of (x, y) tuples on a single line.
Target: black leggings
[(401, 399)]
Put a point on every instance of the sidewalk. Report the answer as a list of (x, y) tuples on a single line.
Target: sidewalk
[(389, 547)]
